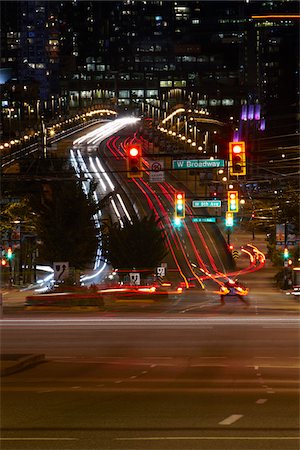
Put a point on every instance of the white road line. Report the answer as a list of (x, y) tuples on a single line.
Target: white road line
[(133, 376), (36, 439), (210, 438), (270, 391), (261, 401), (231, 419), (118, 381)]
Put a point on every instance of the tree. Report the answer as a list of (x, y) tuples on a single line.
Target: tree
[(137, 245), (65, 224)]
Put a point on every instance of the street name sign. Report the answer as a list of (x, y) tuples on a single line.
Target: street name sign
[(197, 163), (206, 203), (204, 219)]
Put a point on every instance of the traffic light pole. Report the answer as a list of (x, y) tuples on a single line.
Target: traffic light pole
[(228, 235)]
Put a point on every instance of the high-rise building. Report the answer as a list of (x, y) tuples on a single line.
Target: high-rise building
[(212, 54)]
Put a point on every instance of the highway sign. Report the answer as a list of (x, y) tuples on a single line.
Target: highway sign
[(161, 271), (206, 203), (198, 163), (204, 219), (135, 278)]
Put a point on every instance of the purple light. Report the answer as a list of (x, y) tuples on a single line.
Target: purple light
[(251, 112), (244, 112), (262, 126), (236, 136), (257, 112)]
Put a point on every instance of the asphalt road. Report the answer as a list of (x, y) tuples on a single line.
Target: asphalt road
[(153, 382)]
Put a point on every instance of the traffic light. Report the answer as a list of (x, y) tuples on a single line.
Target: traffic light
[(237, 158), (286, 253), (134, 161), (179, 205), (233, 201), (3, 262), (229, 219), (9, 253)]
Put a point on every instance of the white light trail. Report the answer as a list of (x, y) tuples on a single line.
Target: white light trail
[(97, 174), (111, 185), (124, 207)]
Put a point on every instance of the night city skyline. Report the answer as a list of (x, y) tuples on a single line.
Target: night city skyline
[(149, 225)]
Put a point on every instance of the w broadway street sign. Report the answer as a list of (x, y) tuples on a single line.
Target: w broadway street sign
[(206, 203), (198, 163)]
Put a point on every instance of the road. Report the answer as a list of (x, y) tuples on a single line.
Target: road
[(153, 382)]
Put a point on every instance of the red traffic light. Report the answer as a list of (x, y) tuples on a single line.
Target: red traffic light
[(134, 161), (237, 148), (133, 151), (237, 158), (3, 262)]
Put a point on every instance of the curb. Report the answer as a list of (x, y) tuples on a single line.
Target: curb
[(20, 364)]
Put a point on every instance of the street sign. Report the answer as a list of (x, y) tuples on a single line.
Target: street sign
[(204, 219), (206, 203), (156, 174), (235, 254), (161, 271), (61, 270), (135, 279), (198, 163)]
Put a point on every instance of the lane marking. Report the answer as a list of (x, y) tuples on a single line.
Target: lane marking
[(261, 401), (270, 391), (133, 376), (211, 438), (118, 381), (231, 419), (37, 439)]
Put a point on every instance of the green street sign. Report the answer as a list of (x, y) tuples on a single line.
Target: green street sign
[(204, 219), (206, 203), (197, 163)]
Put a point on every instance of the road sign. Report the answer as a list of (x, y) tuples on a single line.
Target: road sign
[(161, 271), (135, 279), (204, 219), (156, 174), (198, 163), (206, 203), (61, 270), (235, 254)]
